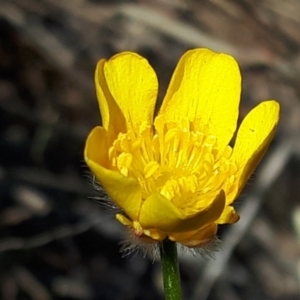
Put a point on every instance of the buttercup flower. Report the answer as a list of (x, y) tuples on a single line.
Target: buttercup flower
[(176, 175)]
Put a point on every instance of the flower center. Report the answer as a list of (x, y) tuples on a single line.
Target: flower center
[(175, 160)]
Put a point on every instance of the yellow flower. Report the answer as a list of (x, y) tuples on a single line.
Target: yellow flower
[(175, 175)]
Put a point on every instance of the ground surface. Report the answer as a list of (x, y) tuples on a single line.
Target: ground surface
[(56, 242)]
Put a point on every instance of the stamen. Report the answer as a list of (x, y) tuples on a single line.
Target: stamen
[(175, 160)]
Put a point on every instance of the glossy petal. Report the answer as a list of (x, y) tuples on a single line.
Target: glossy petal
[(253, 138), (96, 146), (112, 117), (125, 192), (158, 212), (197, 238), (127, 88), (205, 86)]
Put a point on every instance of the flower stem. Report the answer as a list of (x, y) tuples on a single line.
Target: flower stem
[(170, 270)]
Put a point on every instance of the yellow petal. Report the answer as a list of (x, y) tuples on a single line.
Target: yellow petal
[(113, 119), (158, 212), (196, 238), (127, 83), (253, 138), (205, 86), (229, 216), (125, 192), (96, 146)]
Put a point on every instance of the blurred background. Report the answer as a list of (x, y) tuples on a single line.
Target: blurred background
[(56, 242)]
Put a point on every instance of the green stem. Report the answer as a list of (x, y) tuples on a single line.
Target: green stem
[(170, 270)]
